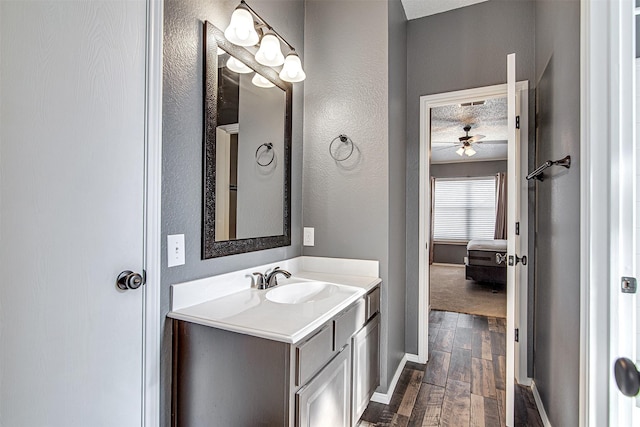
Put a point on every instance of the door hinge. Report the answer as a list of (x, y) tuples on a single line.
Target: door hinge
[(517, 228), (517, 122), (517, 335)]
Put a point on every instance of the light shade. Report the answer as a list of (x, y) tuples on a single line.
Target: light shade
[(292, 69), (241, 30), (220, 51), (269, 53), (260, 81), (238, 66), (470, 151), (460, 151)]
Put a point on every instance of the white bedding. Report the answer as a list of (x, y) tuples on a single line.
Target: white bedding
[(487, 245)]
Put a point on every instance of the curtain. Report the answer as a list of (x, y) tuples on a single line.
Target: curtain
[(433, 204), (501, 207)]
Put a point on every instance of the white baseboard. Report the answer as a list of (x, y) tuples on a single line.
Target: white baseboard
[(413, 358), (385, 398), (541, 411)]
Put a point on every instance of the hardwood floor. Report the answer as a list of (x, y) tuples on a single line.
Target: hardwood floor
[(461, 385)]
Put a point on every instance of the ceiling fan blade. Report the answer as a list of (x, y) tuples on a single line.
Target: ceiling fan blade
[(444, 148), (493, 142), (476, 138)]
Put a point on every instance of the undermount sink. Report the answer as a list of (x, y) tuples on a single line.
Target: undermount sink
[(298, 293)]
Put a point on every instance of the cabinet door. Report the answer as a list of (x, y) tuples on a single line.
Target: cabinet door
[(366, 365), (325, 400)]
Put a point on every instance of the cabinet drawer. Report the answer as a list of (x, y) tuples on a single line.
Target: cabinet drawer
[(348, 323), (313, 354), (373, 302)]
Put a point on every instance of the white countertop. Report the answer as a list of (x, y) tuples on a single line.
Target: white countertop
[(248, 311)]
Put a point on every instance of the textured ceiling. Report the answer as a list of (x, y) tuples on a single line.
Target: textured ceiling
[(488, 119), (419, 8)]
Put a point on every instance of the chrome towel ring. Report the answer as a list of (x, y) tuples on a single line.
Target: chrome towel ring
[(259, 153), (344, 139)]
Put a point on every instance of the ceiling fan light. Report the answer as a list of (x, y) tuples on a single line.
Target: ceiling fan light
[(241, 30), (238, 66), (460, 151), (470, 151), (270, 53)]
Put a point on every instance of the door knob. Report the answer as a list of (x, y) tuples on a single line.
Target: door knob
[(129, 280), (515, 260), (627, 376)]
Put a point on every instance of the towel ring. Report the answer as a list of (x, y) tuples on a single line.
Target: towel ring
[(345, 140), (269, 147)]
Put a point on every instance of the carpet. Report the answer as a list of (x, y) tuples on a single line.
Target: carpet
[(450, 291)]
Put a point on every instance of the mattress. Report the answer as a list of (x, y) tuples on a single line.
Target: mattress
[(487, 245)]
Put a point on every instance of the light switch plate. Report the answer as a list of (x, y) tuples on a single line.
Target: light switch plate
[(175, 250), (308, 236)]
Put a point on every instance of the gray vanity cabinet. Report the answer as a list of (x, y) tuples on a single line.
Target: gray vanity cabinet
[(366, 365), (231, 379), (325, 400)]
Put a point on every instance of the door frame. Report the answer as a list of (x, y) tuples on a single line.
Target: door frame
[(426, 103), (607, 123), (152, 327)]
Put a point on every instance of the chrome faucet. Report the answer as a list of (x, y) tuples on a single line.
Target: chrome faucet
[(269, 279)]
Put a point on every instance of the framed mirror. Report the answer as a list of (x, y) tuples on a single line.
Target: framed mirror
[(246, 151)]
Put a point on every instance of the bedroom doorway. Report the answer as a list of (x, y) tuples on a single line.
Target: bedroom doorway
[(515, 359)]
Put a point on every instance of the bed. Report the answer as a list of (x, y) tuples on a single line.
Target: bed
[(486, 261)]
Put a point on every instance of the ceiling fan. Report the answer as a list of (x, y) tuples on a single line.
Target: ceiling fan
[(466, 142)]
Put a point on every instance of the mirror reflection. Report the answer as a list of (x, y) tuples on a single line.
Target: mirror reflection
[(249, 142), (247, 151)]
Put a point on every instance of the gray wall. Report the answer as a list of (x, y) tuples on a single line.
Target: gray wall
[(454, 254), (460, 49), (182, 144), (557, 292), (347, 91), (397, 182)]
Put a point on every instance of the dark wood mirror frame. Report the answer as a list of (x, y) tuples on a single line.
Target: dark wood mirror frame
[(212, 38)]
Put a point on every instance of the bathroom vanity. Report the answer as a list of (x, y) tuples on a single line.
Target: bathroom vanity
[(304, 353)]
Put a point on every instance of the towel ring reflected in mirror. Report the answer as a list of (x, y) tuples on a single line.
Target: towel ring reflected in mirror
[(268, 147), (344, 139)]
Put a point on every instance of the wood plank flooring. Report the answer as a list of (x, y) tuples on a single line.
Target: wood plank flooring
[(461, 385)]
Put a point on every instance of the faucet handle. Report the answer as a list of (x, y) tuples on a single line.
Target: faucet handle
[(260, 282)]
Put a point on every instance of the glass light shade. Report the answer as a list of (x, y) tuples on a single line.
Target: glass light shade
[(220, 52), (460, 151), (238, 66), (470, 151), (241, 30), (292, 69), (269, 53), (260, 81)]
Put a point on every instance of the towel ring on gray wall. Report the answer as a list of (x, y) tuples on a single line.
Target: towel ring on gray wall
[(268, 147), (345, 140)]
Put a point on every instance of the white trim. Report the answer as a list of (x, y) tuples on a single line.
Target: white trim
[(152, 332), (412, 358), (385, 398), (540, 406)]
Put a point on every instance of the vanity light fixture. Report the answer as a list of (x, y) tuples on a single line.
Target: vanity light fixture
[(242, 32), (260, 81), (269, 53), (238, 66)]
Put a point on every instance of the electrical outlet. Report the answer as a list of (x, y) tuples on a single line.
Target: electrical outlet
[(308, 236), (175, 250)]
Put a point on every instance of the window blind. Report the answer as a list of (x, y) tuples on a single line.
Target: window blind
[(464, 209)]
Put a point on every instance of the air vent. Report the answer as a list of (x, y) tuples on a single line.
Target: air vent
[(470, 104)]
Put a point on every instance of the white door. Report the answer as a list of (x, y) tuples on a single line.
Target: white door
[(72, 156), (516, 259)]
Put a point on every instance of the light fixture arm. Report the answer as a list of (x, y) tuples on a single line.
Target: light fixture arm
[(265, 23)]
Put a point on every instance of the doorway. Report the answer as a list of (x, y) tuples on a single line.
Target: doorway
[(468, 230), (516, 360)]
